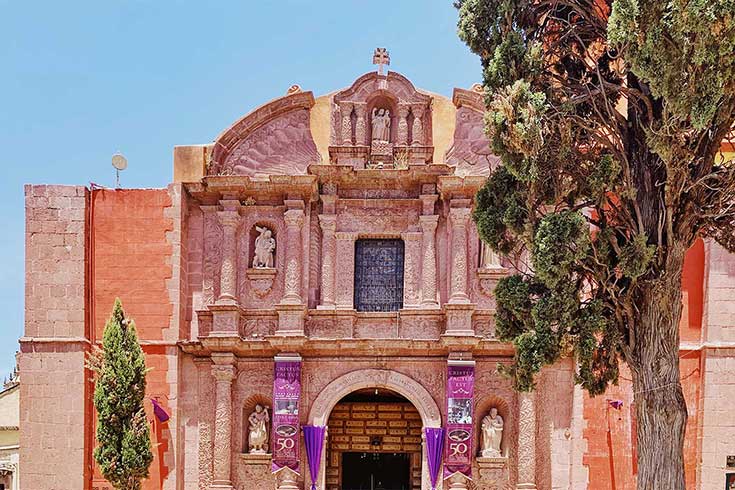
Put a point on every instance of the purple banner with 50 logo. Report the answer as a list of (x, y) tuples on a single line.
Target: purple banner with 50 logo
[(286, 399), (460, 390)]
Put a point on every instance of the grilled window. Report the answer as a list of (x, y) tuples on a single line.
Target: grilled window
[(378, 275)]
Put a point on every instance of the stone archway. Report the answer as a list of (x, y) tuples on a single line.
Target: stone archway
[(404, 385)]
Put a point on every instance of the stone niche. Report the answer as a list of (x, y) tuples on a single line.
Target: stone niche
[(381, 122), (493, 471)]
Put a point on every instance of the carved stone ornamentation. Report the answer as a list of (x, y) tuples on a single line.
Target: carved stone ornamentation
[(265, 247), (329, 225), (229, 219), (259, 422), (402, 132), (492, 434), (527, 441), (459, 217), (223, 372), (345, 109), (428, 264), (418, 127), (294, 218), (260, 281)]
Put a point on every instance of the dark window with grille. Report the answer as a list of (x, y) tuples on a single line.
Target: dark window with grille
[(378, 275)]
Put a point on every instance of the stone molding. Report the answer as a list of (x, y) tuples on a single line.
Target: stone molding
[(411, 389)]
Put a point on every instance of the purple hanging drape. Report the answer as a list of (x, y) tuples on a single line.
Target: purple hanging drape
[(314, 440), (434, 450)]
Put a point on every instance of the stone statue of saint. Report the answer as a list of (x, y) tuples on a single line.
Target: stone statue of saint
[(492, 434), (265, 244), (381, 125), (258, 436)]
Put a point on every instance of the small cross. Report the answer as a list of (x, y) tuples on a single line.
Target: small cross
[(381, 58)]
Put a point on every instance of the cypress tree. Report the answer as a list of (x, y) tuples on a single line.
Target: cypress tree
[(123, 437), (608, 116)]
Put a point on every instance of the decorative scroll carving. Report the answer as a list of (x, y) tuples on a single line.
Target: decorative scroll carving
[(206, 442), (212, 254), (294, 219), (527, 440), (417, 132), (223, 375), (459, 218), (428, 264), (229, 220), (329, 225)]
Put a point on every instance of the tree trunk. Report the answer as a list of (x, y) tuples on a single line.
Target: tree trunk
[(661, 410)]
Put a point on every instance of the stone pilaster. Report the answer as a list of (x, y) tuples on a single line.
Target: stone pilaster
[(402, 132), (223, 371), (294, 217), (328, 223), (428, 263), (361, 124), (458, 218), (412, 270), (345, 109), (345, 270), (229, 219), (418, 127), (526, 441)]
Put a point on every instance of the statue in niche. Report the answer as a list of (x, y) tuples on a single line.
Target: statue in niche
[(265, 245), (258, 432), (488, 258), (492, 434), (381, 125)]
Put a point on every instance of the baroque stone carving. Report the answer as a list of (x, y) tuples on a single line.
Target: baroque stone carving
[(258, 430), (265, 246), (492, 434), (381, 125), (273, 139)]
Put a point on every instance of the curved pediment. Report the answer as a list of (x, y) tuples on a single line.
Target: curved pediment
[(393, 85), (274, 139)]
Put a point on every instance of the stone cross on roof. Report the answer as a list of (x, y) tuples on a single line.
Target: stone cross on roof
[(381, 57)]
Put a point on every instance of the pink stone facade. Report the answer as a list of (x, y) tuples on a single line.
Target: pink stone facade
[(310, 171)]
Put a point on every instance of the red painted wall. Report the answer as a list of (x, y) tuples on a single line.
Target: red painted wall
[(131, 259), (610, 433)]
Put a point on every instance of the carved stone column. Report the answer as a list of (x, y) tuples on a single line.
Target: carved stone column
[(229, 218), (428, 265), (294, 218), (402, 132), (361, 124), (418, 127), (412, 269), (458, 218), (223, 371), (345, 270), (345, 109), (526, 441), (328, 222)]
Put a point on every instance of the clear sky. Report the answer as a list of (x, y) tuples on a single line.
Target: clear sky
[(81, 80)]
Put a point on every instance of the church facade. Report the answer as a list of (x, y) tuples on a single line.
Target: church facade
[(316, 270)]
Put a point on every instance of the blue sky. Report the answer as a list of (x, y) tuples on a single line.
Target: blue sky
[(81, 80)]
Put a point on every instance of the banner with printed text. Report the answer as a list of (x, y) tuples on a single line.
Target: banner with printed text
[(286, 400), (458, 445)]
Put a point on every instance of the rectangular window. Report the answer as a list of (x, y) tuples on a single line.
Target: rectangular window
[(378, 275)]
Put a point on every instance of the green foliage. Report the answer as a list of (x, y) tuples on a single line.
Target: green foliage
[(124, 448), (499, 224), (683, 50), (606, 117)]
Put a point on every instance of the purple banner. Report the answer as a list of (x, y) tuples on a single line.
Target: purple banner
[(458, 447), (434, 449), (286, 399), (313, 441)]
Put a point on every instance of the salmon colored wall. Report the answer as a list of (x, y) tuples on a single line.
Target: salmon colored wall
[(131, 259), (610, 433)]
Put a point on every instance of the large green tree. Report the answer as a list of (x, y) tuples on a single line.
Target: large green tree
[(608, 117), (123, 435)]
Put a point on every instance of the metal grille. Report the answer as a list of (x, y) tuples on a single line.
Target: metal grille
[(378, 275)]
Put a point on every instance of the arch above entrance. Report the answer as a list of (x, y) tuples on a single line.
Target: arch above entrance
[(404, 385)]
